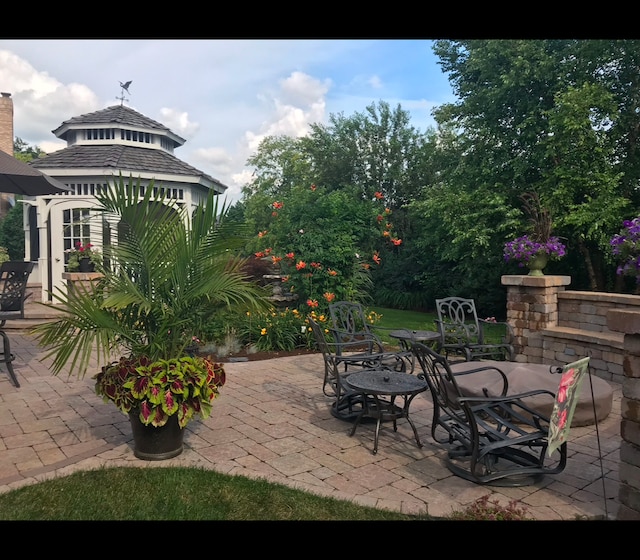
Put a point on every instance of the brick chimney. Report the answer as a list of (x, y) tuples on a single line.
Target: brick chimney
[(6, 123), (6, 143)]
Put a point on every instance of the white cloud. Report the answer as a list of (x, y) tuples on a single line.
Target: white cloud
[(299, 102), (39, 101), (302, 89), (218, 158), (375, 82), (178, 122)]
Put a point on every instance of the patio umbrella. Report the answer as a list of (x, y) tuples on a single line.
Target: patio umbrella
[(17, 177)]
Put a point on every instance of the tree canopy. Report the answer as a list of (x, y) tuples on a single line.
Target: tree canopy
[(558, 119)]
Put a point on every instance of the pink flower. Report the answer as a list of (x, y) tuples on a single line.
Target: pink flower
[(565, 383)]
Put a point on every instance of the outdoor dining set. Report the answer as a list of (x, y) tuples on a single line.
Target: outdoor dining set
[(502, 422)]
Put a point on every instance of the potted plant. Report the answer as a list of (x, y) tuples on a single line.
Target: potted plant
[(84, 258), (533, 254), (171, 270), (162, 394), (626, 247), (535, 250)]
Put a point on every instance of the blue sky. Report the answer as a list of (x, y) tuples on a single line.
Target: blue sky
[(222, 96)]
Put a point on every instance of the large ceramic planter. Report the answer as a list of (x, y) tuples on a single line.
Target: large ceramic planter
[(156, 444)]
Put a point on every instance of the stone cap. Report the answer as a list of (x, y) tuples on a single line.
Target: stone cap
[(74, 276), (535, 281), (620, 320)]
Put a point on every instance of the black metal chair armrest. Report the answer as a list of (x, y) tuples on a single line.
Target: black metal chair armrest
[(511, 408), (508, 398), (505, 380)]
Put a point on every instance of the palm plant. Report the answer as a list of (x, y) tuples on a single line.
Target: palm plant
[(168, 271)]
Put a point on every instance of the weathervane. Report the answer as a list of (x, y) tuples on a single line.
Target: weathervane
[(125, 87)]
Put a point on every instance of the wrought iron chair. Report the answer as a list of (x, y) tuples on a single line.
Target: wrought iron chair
[(350, 326), (498, 439), (14, 276), (348, 403), (462, 333)]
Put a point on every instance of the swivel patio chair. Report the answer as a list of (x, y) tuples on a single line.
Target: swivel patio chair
[(350, 326), (497, 439), (463, 334), (14, 276)]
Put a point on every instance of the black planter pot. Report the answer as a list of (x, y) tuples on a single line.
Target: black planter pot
[(86, 265), (156, 444)]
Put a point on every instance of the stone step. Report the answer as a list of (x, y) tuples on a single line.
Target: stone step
[(34, 314)]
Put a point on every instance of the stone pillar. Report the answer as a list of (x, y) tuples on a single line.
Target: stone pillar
[(628, 322), (81, 280), (532, 305)]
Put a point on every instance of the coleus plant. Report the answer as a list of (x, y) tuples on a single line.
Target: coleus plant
[(185, 386)]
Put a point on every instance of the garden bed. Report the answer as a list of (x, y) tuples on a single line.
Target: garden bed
[(254, 356)]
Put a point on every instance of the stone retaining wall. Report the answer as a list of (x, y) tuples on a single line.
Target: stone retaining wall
[(554, 325)]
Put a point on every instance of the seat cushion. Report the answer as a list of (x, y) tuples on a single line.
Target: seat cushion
[(528, 377)]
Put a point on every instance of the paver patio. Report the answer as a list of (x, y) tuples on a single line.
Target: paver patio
[(272, 421)]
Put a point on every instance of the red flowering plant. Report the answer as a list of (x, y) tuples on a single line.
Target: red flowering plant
[(82, 251), (185, 386), (329, 254)]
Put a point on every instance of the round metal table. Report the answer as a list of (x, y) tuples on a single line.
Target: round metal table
[(407, 336), (379, 383)]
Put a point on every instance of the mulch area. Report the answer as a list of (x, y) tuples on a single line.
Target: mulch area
[(244, 356)]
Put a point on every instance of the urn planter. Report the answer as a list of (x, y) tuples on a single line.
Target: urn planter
[(537, 263)]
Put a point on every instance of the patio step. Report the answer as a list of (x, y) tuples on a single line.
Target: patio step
[(35, 313)]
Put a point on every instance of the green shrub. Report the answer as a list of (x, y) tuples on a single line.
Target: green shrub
[(12, 233)]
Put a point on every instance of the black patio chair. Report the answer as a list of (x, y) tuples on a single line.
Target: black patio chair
[(463, 334), (349, 326), (347, 403), (14, 276), (497, 439)]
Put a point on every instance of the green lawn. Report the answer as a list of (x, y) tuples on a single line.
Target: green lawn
[(176, 494), (415, 320), (195, 494), (400, 319)]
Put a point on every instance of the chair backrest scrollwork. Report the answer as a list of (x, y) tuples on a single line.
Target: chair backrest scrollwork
[(14, 277)]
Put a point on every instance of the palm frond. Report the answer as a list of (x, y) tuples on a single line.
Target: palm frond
[(168, 271)]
